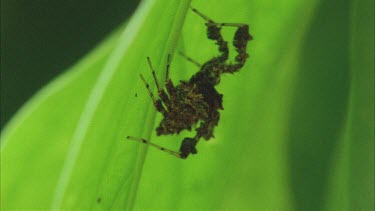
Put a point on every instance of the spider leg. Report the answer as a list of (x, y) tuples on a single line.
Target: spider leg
[(170, 87), (168, 82), (240, 41), (157, 102), (153, 74), (190, 59), (163, 96), (167, 68), (206, 129), (171, 152), (202, 15), (213, 33), (188, 147)]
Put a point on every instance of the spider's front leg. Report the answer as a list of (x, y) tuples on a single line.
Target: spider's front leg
[(157, 102), (214, 33), (163, 96), (240, 40), (168, 82), (164, 99)]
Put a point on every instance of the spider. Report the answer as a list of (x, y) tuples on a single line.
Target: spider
[(196, 100)]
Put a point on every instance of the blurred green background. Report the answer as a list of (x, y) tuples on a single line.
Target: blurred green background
[(297, 132), (42, 38)]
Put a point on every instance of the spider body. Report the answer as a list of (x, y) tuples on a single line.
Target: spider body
[(196, 101)]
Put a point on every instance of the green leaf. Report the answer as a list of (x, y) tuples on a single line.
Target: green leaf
[(66, 148), (297, 132)]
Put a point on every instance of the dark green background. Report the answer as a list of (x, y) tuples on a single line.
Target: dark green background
[(42, 38)]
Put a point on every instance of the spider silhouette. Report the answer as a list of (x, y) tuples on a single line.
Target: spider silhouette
[(196, 101)]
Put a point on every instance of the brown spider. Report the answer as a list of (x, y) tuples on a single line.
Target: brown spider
[(197, 101)]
